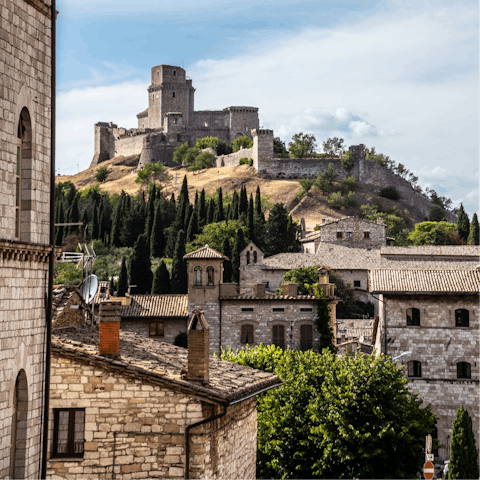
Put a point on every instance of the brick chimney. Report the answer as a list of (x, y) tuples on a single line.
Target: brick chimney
[(260, 289), (324, 282), (290, 289), (109, 328), (198, 347)]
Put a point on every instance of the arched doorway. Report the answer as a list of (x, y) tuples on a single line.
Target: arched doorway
[(19, 427), (24, 165)]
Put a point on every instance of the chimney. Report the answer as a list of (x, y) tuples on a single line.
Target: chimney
[(380, 221), (324, 282), (290, 289), (198, 348), (260, 289), (109, 344)]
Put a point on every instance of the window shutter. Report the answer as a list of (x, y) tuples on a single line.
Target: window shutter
[(243, 338), (410, 368), (249, 334)]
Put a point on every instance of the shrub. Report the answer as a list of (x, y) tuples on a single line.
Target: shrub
[(389, 192), (201, 161), (181, 340), (220, 147), (306, 185), (348, 183), (325, 179), (335, 200), (349, 199), (348, 161), (244, 142), (245, 161), (101, 174), (184, 154)]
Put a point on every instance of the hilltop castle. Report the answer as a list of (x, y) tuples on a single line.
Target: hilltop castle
[(169, 121)]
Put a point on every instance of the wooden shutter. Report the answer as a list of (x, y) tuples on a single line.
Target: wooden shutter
[(243, 338), (306, 339), (279, 335)]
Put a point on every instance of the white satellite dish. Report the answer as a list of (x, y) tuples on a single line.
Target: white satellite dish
[(88, 288)]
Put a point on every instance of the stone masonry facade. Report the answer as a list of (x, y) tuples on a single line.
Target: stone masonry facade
[(140, 427), (438, 345), (25, 158)]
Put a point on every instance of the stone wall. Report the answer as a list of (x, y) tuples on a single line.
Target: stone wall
[(172, 327), (232, 160), (439, 345), (144, 423)]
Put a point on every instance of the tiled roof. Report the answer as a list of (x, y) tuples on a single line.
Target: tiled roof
[(424, 281), (338, 257), (102, 285), (434, 250), (174, 305), (163, 363), (269, 296), (205, 253)]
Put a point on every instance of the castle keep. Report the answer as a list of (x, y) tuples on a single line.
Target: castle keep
[(169, 121)]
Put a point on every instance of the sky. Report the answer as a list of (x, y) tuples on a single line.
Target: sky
[(400, 76)]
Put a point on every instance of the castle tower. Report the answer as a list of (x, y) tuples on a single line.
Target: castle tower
[(205, 274), (104, 146), (171, 91), (262, 146)]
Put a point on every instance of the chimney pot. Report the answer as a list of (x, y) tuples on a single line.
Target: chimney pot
[(290, 289)]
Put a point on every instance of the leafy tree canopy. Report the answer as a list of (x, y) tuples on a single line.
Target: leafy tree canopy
[(334, 147), (220, 147), (435, 233), (101, 174), (215, 233), (348, 160), (201, 161), (184, 154), (152, 172), (244, 142), (346, 417), (392, 218), (302, 145)]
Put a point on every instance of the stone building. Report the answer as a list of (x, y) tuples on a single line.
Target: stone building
[(126, 406), (434, 315), (253, 316), (25, 247), (69, 307), (169, 121), (347, 231)]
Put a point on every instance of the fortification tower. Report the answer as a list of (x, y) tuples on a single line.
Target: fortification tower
[(262, 145), (104, 147), (170, 91)]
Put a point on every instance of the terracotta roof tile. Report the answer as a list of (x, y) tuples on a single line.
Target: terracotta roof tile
[(164, 363), (424, 281), (205, 253), (174, 305)]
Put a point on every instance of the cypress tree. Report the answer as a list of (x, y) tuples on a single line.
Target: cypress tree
[(234, 209), (161, 280), (258, 201), (218, 215), (140, 266), (276, 228), (210, 210), (463, 223), (179, 283), (202, 209), (84, 219), (228, 212), (150, 212), (60, 230), (250, 225), (243, 206), (95, 221), (157, 237), (116, 224), (192, 227), (227, 264), (291, 240), (188, 214), (463, 450), (105, 225), (111, 287), (238, 246), (171, 240), (122, 286), (182, 205), (73, 215), (473, 236)]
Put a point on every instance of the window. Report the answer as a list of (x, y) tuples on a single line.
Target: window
[(210, 276), (462, 318), (366, 234), (278, 332), (19, 430), (197, 276), (247, 334), (349, 235), (414, 368), (156, 329), (306, 309), (255, 257), (248, 258), (278, 309), (173, 94), (356, 283), (174, 73), (306, 337), (413, 317), (68, 432), (247, 309), (18, 198), (464, 370), (175, 120), (339, 234)]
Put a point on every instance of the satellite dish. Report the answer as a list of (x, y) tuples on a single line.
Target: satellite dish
[(88, 288)]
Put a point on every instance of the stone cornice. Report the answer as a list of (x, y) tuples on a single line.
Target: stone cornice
[(42, 7), (27, 252)]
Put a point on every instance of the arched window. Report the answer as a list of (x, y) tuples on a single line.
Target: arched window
[(255, 256), (19, 427), (278, 334), (464, 370), (248, 258), (462, 318), (306, 337), (210, 276), (174, 73), (413, 317), (414, 368), (247, 334), (197, 276)]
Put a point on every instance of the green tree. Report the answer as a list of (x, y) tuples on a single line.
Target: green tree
[(258, 201), (463, 451), (473, 237), (59, 230), (436, 214), (348, 183), (302, 145), (244, 142), (220, 147), (184, 154), (325, 179), (279, 147), (345, 417), (141, 266), (306, 185), (227, 264), (214, 235), (202, 160), (157, 237), (152, 172), (348, 160), (101, 174), (333, 146), (392, 218), (435, 233), (161, 280), (218, 215), (276, 227), (238, 246), (463, 223), (243, 202), (335, 200), (122, 286), (192, 230), (179, 282)]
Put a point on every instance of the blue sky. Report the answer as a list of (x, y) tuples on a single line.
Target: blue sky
[(398, 75)]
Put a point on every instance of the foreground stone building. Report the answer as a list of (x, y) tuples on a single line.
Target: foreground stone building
[(126, 406), (434, 315), (25, 247)]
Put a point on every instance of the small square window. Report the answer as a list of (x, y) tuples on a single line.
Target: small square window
[(339, 234), (247, 309), (156, 329), (366, 234), (356, 283), (278, 309), (464, 370), (306, 309), (349, 235)]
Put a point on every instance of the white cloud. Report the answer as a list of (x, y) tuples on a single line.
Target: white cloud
[(362, 129)]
